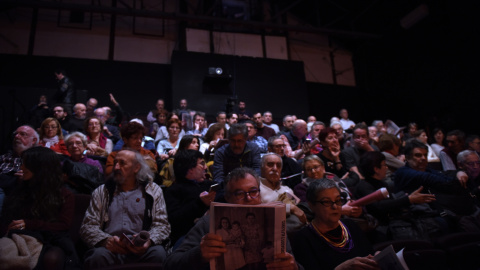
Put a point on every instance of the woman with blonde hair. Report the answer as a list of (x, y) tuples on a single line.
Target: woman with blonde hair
[(51, 136)]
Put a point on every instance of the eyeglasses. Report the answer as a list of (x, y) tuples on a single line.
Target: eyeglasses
[(279, 146), (50, 127), (94, 124), (473, 163), (313, 169), (242, 195), (328, 203)]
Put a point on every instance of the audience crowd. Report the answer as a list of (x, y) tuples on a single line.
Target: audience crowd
[(157, 176)]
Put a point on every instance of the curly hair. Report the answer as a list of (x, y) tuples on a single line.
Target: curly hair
[(132, 128)]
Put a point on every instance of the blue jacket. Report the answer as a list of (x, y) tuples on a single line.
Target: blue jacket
[(408, 180), (225, 160)]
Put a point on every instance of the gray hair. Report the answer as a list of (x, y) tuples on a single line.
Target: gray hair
[(462, 156), (237, 129), (264, 157), (267, 112), (310, 158), (318, 186), (317, 123), (35, 133), (272, 139), (145, 174), (77, 134), (285, 117)]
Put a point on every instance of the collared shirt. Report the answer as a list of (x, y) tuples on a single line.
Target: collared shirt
[(126, 213), (261, 143)]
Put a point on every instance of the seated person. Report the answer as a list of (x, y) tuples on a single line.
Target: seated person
[(374, 168), (199, 247), (132, 134), (24, 137), (147, 142), (315, 128), (450, 188), (162, 131), (291, 170), (167, 173), (51, 136), (76, 144), (252, 137), (421, 136), (314, 170), (159, 106), (215, 133), (328, 242), (389, 145), (469, 162), (188, 198), (41, 206), (271, 189), (351, 155), (98, 144), (330, 154), (167, 147), (237, 153), (200, 124), (107, 218), (160, 121)]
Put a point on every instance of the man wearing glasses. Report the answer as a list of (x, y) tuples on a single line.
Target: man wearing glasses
[(291, 170), (242, 186), (24, 138), (469, 161)]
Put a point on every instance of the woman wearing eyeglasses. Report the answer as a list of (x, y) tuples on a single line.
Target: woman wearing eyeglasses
[(329, 242), (314, 170), (51, 136), (98, 144)]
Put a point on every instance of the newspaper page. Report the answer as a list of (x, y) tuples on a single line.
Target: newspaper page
[(252, 233), (388, 259)]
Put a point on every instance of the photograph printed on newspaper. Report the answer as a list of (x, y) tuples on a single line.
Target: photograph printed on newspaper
[(252, 234)]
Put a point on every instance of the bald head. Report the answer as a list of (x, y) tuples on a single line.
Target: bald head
[(25, 137), (80, 111), (299, 128)]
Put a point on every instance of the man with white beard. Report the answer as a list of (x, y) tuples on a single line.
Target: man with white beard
[(24, 138)]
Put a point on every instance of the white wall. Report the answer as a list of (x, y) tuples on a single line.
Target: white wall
[(51, 40)]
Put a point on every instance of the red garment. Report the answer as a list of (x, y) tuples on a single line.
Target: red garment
[(102, 141), (59, 147)]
